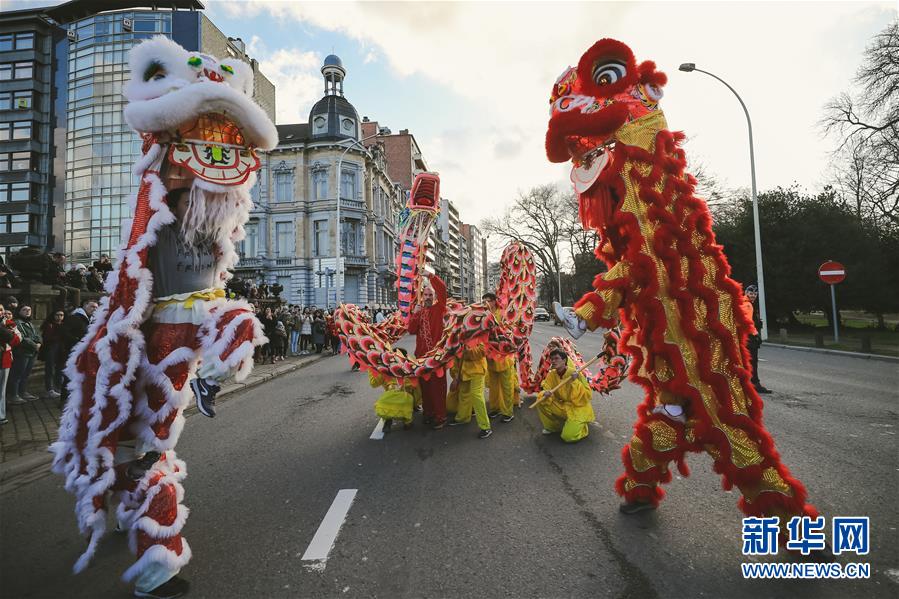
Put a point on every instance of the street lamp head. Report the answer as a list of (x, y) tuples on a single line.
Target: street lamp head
[(687, 67)]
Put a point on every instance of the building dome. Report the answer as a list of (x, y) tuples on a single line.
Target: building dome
[(333, 117), (332, 60)]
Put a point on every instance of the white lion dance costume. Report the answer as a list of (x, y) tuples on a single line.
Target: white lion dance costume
[(127, 377)]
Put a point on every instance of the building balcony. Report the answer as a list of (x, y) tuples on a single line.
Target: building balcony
[(247, 262), (260, 262), (357, 205), (351, 260)]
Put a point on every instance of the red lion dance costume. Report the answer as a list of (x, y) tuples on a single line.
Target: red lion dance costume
[(685, 320), (127, 376)]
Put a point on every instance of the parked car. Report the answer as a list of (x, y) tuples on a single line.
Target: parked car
[(541, 315), (556, 319)]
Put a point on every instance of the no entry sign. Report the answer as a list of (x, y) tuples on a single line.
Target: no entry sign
[(832, 272)]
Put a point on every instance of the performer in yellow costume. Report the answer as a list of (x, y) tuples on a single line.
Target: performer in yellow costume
[(397, 401), (467, 389), (501, 376), (568, 409)]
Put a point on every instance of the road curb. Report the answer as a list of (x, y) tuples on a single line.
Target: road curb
[(837, 352), (12, 470)]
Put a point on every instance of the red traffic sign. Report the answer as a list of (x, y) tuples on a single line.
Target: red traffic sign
[(832, 272)]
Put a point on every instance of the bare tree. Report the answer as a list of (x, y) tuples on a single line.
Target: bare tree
[(536, 219), (867, 125)]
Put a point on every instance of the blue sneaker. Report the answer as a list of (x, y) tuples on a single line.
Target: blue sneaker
[(204, 392)]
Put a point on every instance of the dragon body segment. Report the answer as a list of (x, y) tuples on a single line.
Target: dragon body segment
[(684, 319)]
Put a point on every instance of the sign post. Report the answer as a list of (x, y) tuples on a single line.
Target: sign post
[(832, 273)]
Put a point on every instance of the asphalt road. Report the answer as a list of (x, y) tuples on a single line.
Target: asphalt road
[(444, 514)]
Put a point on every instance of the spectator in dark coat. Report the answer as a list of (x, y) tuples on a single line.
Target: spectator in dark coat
[(52, 353), (23, 357), (103, 266)]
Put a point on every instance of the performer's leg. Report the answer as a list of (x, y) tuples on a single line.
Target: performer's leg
[(657, 441), (438, 399), (476, 391), (494, 392), (154, 516), (462, 398), (507, 392), (574, 431), (551, 419)]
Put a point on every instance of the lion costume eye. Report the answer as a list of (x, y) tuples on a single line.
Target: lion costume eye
[(155, 71), (607, 73)]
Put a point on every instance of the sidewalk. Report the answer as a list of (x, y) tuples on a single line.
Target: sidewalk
[(34, 425)]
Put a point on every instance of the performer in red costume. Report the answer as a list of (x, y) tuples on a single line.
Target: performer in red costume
[(426, 323)]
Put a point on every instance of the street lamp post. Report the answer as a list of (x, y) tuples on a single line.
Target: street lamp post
[(689, 67), (338, 283)]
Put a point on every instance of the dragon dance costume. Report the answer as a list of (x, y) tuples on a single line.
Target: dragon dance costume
[(127, 376), (685, 320)]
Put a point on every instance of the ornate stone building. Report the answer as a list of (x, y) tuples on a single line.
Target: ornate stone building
[(292, 233)]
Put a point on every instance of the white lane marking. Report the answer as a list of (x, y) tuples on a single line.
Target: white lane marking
[(378, 433), (327, 532)]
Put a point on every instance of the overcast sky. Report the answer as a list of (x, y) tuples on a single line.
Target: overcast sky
[(471, 80)]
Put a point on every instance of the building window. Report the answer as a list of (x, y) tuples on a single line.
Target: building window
[(320, 184), (284, 239), (15, 161), (17, 41), (18, 100), (16, 223), (350, 238), (16, 70), (284, 186), (320, 124), (15, 192), (251, 242), (15, 130), (320, 238), (348, 185)]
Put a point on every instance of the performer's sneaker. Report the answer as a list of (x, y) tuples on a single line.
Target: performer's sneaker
[(508, 418), (174, 587), (493, 414), (205, 394), (387, 424), (458, 422), (485, 433), (438, 425), (762, 389), (138, 468), (574, 325), (635, 507), (546, 431)]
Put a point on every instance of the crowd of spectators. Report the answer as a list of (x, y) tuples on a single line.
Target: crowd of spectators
[(22, 343), (300, 330), (292, 330)]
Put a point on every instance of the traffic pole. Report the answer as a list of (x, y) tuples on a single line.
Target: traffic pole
[(833, 302)]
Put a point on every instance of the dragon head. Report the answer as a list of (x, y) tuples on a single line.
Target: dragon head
[(201, 108), (592, 102)]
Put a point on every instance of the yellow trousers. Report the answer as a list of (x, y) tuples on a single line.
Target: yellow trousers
[(501, 386), (555, 419), (471, 396)]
